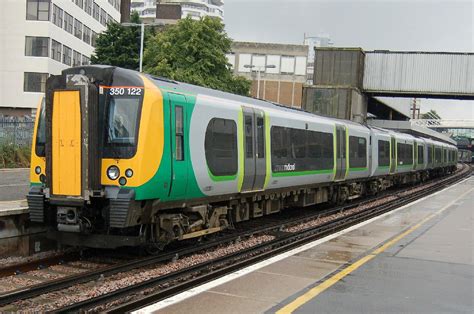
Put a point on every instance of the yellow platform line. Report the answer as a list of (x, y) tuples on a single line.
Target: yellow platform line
[(314, 292)]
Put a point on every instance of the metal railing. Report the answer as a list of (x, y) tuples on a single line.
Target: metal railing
[(448, 124), (17, 132)]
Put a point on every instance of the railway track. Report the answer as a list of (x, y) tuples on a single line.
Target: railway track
[(40, 263), (281, 239)]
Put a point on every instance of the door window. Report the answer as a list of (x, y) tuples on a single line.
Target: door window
[(248, 137), (179, 133), (260, 138)]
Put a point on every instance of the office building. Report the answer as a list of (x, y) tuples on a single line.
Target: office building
[(41, 38), (280, 67), (170, 11)]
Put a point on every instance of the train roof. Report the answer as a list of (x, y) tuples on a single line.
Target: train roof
[(164, 83), (194, 89)]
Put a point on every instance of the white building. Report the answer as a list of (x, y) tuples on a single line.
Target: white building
[(43, 37), (194, 8)]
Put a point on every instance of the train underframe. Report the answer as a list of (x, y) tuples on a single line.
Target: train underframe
[(122, 221)]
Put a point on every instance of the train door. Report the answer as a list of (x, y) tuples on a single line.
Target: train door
[(66, 143), (254, 149), (393, 155), (178, 140), (341, 154)]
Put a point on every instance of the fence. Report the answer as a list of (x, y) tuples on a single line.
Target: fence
[(17, 132)]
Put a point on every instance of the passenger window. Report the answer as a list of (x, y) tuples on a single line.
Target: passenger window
[(221, 147), (357, 152), (384, 153), (304, 149)]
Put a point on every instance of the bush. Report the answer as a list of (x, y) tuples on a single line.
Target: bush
[(12, 156)]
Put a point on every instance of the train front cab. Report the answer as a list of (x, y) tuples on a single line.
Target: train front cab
[(88, 156)]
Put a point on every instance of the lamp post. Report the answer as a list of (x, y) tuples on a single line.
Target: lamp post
[(259, 69), (142, 36)]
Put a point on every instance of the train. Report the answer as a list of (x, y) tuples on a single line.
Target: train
[(122, 158), (465, 156)]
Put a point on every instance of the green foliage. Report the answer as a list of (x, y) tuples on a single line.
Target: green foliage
[(119, 45), (194, 51), (12, 156)]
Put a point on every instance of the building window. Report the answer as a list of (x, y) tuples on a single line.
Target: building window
[(67, 55), (36, 46), (287, 64), (357, 152), (79, 3), (37, 10), (88, 6), (68, 22), (94, 39), (85, 60), (57, 16), (76, 59), (103, 17), (96, 11), (35, 82), (77, 29), (220, 147), (86, 36), (56, 50)]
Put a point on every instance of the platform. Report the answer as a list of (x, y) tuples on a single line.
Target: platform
[(11, 208), (14, 184), (418, 258)]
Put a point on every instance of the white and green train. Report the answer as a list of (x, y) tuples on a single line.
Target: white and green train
[(121, 158)]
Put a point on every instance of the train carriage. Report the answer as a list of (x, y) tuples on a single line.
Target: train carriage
[(121, 158)]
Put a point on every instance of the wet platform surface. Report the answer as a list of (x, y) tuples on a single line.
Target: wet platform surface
[(14, 184), (11, 208), (391, 264)]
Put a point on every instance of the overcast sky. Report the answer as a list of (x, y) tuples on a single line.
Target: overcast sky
[(417, 25)]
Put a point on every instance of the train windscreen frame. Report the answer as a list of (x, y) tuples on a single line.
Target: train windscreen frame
[(122, 121)]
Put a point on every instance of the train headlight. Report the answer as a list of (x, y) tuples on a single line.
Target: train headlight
[(113, 172), (129, 173), (122, 181), (37, 169)]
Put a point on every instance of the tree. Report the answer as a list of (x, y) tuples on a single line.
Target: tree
[(194, 51), (119, 45)]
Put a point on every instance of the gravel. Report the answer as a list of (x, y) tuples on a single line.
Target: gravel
[(77, 293), (12, 260), (14, 282)]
